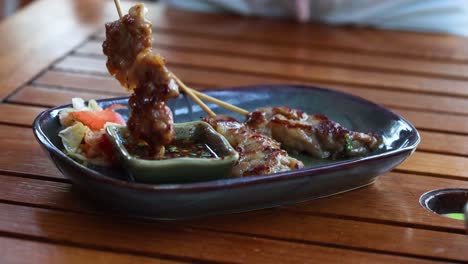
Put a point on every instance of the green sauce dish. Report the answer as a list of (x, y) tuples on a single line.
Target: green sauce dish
[(177, 169)]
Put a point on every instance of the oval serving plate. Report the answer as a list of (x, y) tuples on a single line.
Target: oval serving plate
[(319, 178)]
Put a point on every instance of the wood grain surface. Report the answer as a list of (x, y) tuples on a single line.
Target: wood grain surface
[(13, 250), (422, 77)]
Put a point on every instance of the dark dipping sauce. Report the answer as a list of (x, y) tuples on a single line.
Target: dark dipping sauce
[(179, 148)]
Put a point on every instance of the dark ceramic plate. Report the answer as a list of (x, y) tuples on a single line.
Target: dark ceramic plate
[(318, 179)]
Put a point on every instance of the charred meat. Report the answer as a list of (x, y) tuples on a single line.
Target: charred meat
[(131, 60), (314, 134), (258, 154)]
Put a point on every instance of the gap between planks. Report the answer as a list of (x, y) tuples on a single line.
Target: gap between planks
[(64, 243), (13, 250)]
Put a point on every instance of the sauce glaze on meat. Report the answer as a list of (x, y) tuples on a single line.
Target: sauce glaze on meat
[(314, 134), (258, 154), (131, 60)]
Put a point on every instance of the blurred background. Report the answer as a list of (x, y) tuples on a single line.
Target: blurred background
[(8, 7)]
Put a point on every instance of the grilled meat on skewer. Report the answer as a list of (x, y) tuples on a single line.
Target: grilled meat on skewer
[(131, 61)]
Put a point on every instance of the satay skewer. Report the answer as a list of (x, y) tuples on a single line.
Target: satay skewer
[(187, 90), (194, 94), (184, 87), (208, 98), (223, 104)]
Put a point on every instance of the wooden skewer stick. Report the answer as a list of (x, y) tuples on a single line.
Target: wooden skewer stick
[(192, 95), (185, 89), (119, 10), (221, 103)]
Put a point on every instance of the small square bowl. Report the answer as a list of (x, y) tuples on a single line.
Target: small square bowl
[(178, 170)]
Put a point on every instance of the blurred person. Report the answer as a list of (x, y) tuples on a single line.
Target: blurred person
[(443, 16)]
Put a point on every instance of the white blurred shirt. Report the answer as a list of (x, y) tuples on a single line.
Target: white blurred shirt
[(446, 16)]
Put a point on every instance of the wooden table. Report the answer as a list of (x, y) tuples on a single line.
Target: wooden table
[(51, 52)]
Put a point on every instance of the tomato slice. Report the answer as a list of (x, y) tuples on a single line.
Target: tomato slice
[(96, 120)]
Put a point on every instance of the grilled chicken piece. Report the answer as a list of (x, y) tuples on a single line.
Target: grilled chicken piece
[(131, 61), (258, 154), (314, 134)]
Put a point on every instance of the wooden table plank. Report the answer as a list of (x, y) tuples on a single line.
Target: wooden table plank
[(174, 43), (269, 223), (144, 237), (86, 82), (41, 96), (303, 72), (394, 197), (342, 232), (82, 64), (443, 143), (23, 154), (72, 23), (9, 114), (13, 250), (429, 163), (18, 115), (436, 121), (16, 51), (372, 204), (365, 40)]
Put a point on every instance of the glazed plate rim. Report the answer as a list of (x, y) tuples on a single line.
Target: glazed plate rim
[(44, 140)]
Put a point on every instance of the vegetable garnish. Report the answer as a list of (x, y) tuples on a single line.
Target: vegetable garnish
[(349, 142), (72, 136), (84, 137), (96, 120)]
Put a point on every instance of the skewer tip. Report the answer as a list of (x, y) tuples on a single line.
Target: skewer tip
[(119, 9)]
